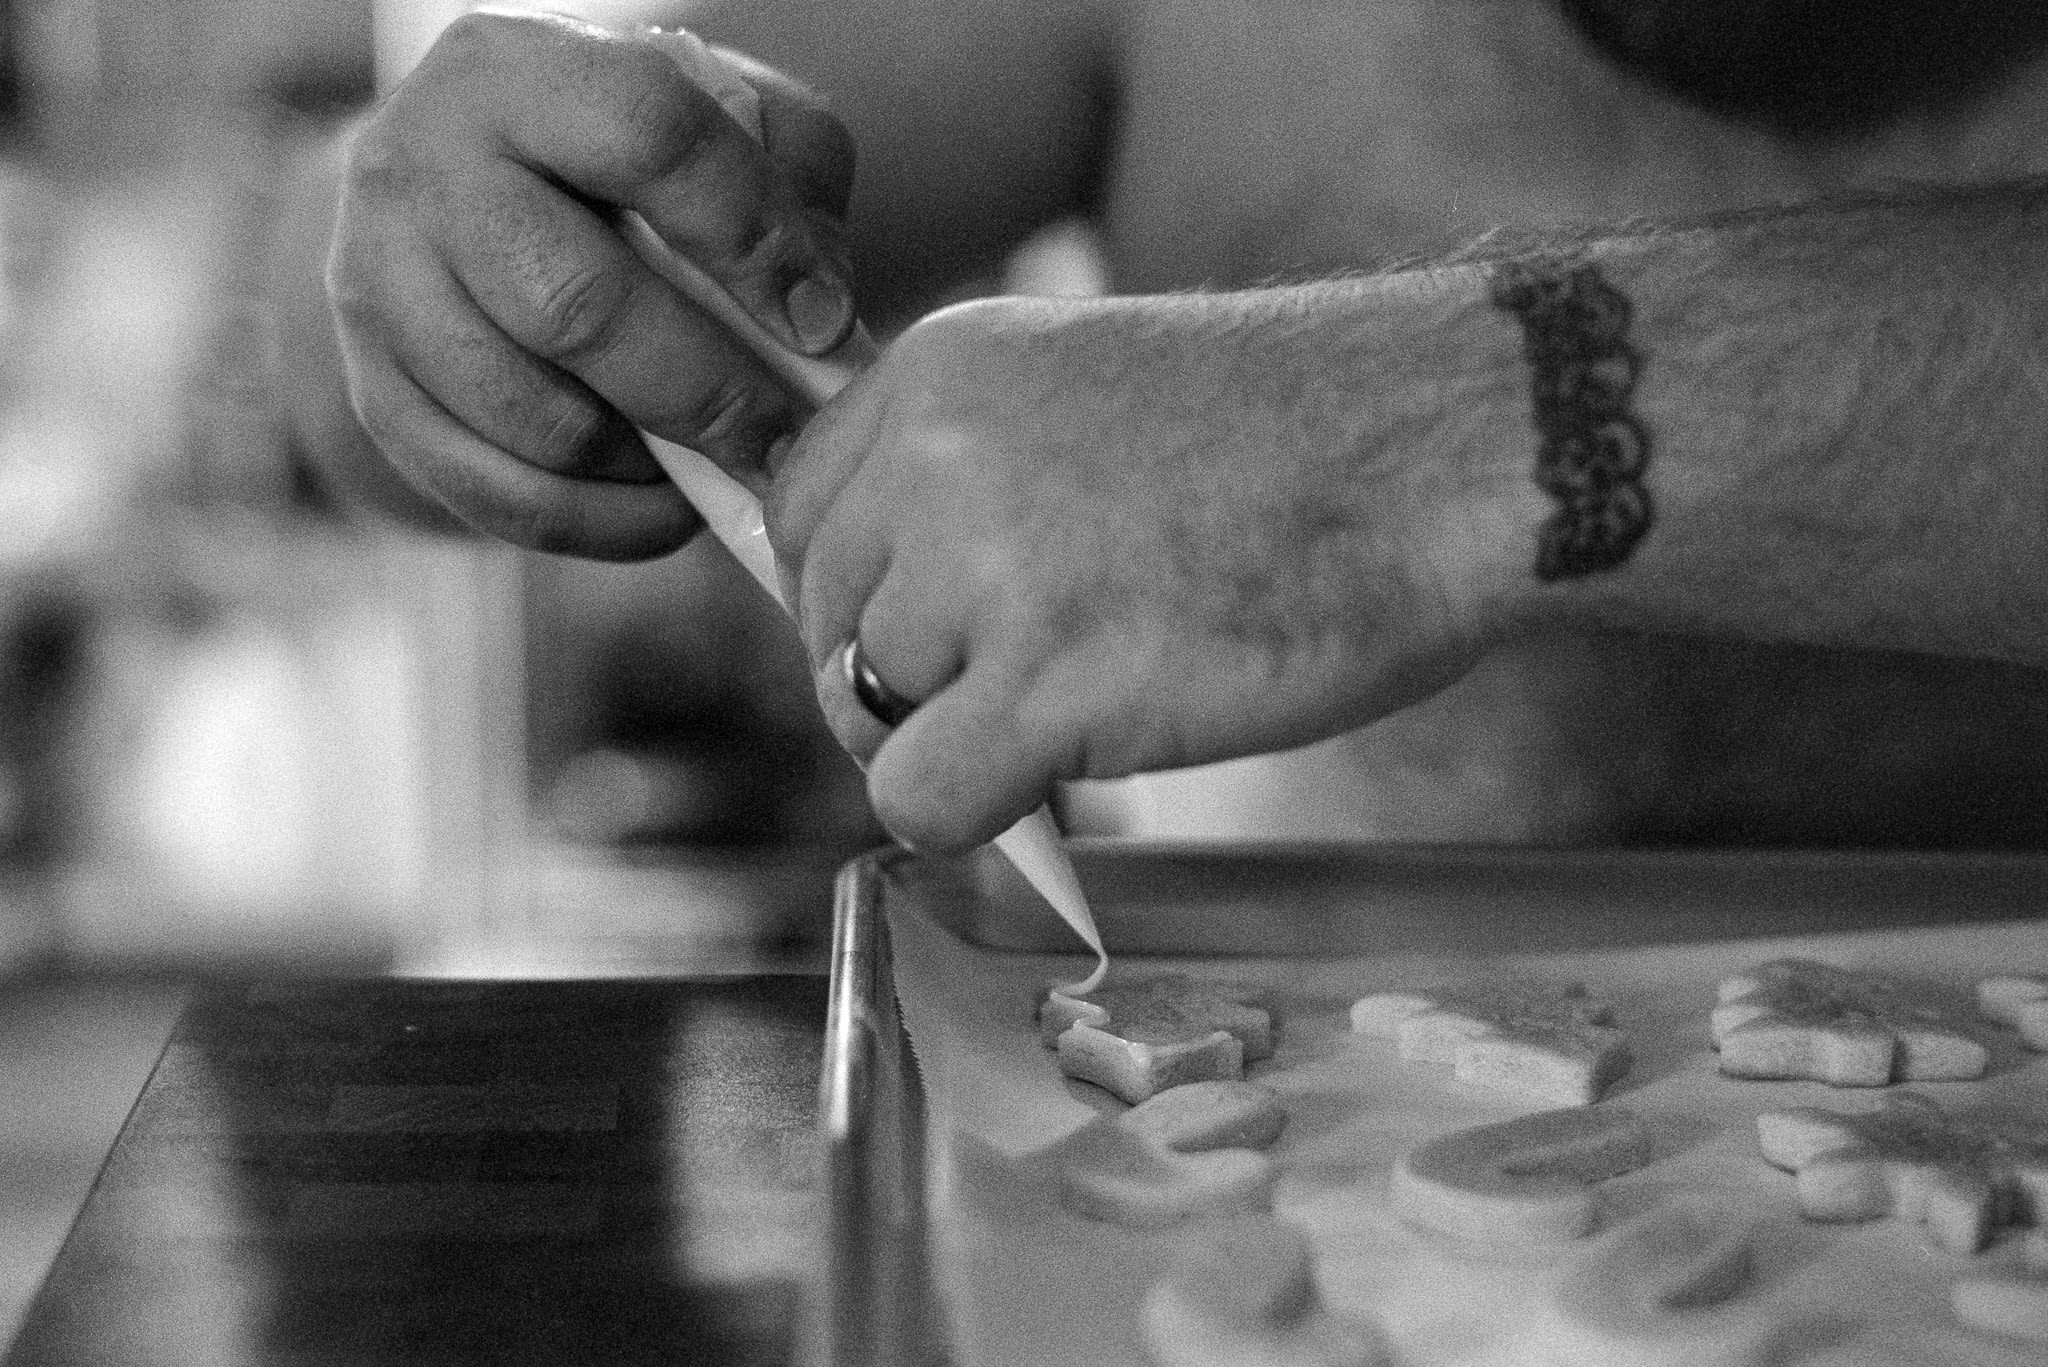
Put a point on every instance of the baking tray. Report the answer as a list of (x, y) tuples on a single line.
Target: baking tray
[(879, 1304)]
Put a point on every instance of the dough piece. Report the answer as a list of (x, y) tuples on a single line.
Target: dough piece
[(1242, 1293), (1198, 1116), (1910, 1158), (1137, 1071), (1161, 1010), (1109, 1173), (1669, 1260), (1138, 1039), (1554, 1044), (2021, 1001), (1521, 1181), (2014, 1306), (1797, 1018)]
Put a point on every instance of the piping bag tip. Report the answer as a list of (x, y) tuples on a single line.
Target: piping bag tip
[(1033, 845), (734, 514)]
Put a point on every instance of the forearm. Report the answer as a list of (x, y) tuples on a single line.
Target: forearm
[(1843, 412)]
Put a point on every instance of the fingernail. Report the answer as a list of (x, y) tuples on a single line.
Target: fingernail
[(820, 313)]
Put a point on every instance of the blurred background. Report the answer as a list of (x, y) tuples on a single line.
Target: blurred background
[(236, 727), (240, 733)]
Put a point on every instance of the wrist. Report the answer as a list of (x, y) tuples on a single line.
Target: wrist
[(1457, 419), (1563, 433)]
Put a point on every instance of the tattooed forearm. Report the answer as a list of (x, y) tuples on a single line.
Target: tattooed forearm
[(1591, 449)]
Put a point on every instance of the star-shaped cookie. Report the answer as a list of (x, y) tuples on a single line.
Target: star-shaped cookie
[(1799, 1018), (2021, 1001), (1554, 1043), (1139, 1038), (1962, 1177)]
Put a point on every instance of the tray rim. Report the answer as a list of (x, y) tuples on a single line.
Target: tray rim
[(880, 1308)]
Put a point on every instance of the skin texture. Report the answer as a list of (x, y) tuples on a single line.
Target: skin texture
[(539, 308), (1260, 590), (1083, 630), (1095, 538)]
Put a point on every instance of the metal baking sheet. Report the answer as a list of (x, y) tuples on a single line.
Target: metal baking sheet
[(1259, 901)]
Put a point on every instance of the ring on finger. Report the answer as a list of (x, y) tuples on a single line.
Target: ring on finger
[(883, 703)]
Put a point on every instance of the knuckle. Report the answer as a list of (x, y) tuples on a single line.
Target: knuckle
[(660, 126), (468, 37), (566, 433), (731, 416), (819, 154), (576, 313), (375, 161), (477, 38)]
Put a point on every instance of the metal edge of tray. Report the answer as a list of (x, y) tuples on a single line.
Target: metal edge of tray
[(880, 1306), (1217, 898), (877, 1309)]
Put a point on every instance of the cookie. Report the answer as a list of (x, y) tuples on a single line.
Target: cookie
[(1960, 1177), (1160, 1010), (1198, 1116), (1138, 1039), (1798, 1018), (1550, 1044), (2019, 1000), (1520, 1181), (1241, 1293), (1112, 1174), (1136, 1071), (1674, 1258), (2015, 1306)]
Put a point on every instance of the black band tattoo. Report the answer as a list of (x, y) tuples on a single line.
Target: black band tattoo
[(1591, 450)]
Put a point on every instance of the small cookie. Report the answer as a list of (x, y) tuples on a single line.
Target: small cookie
[(1241, 1293), (1555, 1044), (1669, 1260), (1109, 1173), (2021, 1001), (1161, 1010), (1138, 1039), (2014, 1306), (1798, 1018), (1136, 1071), (1523, 1180), (1910, 1158), (1198, 1116)]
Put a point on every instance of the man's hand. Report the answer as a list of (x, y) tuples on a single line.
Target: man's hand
[(1093, 539), (502, 343)]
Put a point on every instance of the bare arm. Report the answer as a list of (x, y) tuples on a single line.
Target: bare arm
[(1847, 412), (1134, 534)]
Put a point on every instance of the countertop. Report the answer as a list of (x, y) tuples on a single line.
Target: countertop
[(388, 1171)]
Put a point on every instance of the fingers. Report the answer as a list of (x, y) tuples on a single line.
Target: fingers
[(958, 771), (480, 288), (911, 654), (614, 119), (968, 764), (561, 285), (510, 498), (976, 752), (813, 148)]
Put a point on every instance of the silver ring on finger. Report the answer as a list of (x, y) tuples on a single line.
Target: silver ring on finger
[(882, 702)]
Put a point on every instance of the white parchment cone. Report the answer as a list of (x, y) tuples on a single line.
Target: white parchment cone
[(734, 514)]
